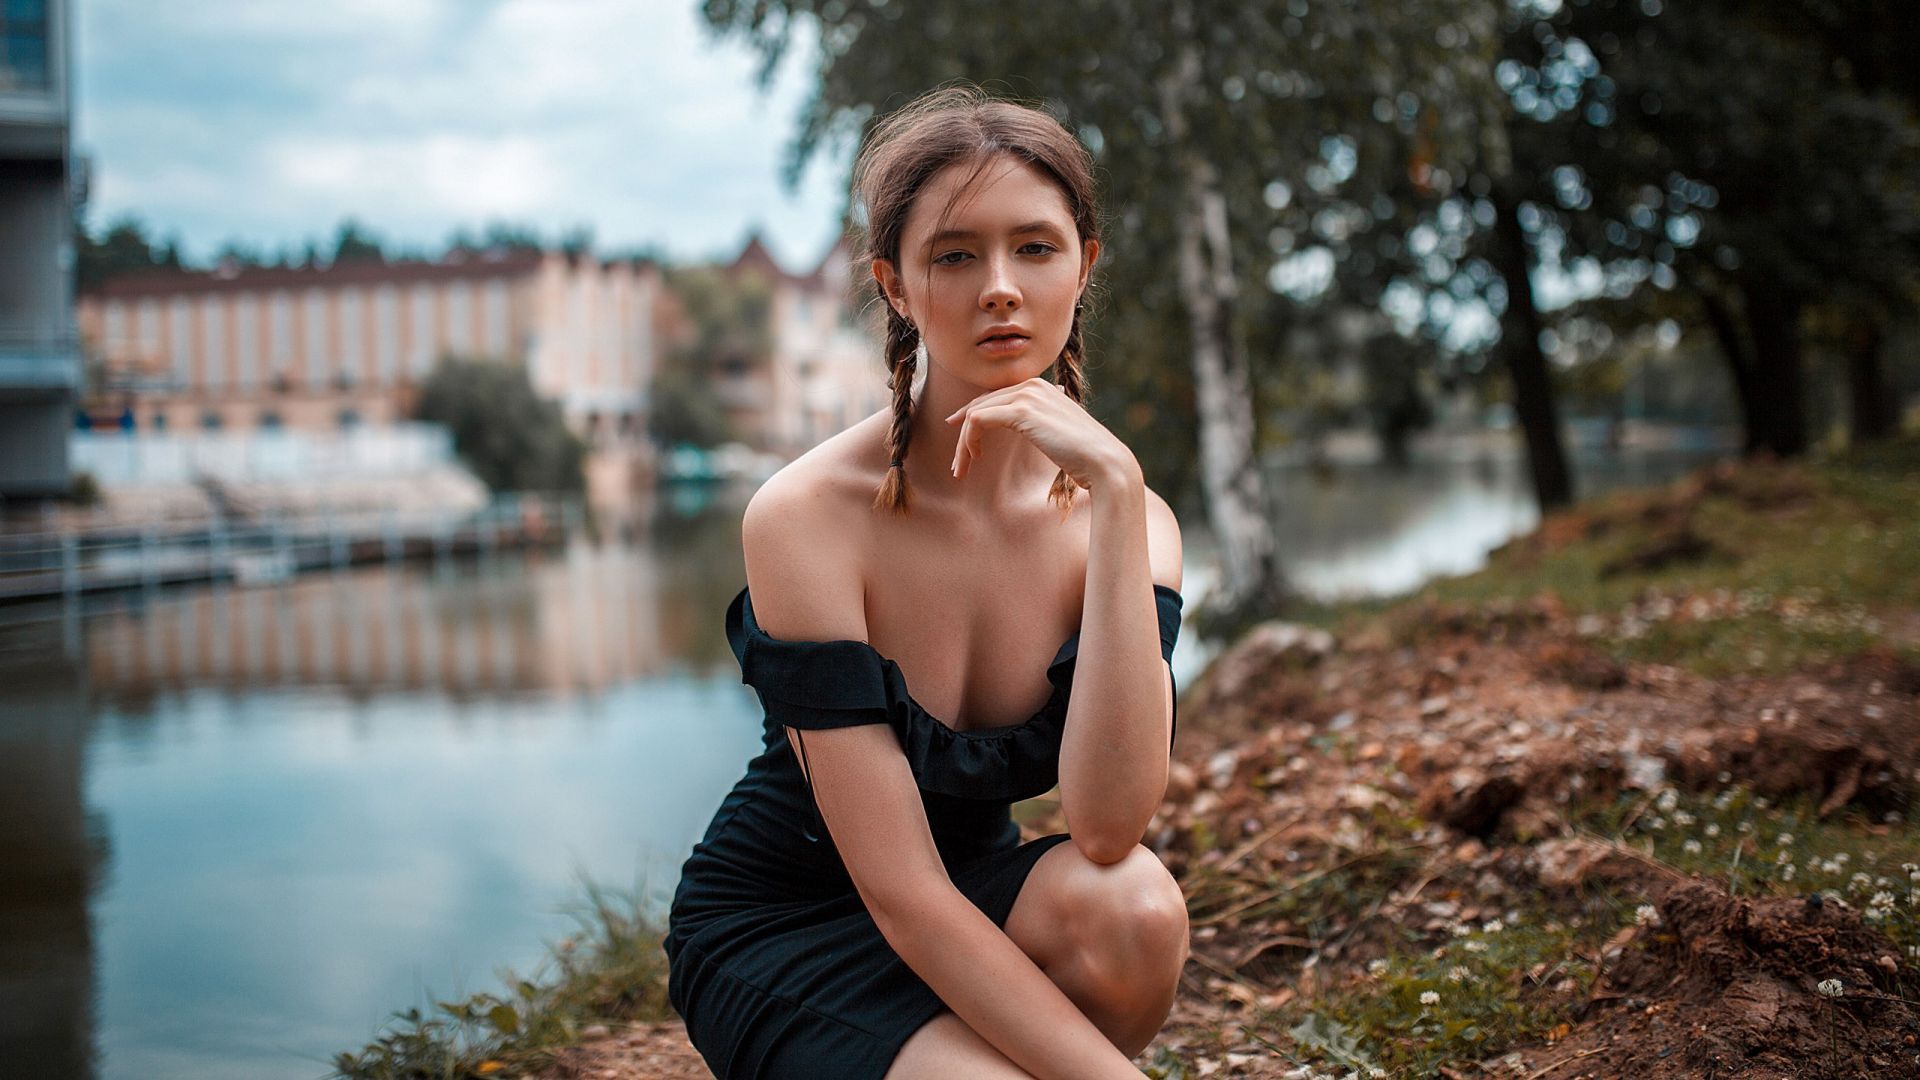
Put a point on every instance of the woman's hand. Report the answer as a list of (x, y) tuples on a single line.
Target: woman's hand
[(1059, 426)]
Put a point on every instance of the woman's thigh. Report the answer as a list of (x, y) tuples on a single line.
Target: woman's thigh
[(946, 1047)]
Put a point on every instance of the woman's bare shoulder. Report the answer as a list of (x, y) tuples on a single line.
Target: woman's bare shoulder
[(840, 474), (805, 542)]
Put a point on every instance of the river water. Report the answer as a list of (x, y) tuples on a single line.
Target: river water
[(242, 826)]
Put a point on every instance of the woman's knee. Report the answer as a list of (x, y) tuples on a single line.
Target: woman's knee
[(1128, 919)]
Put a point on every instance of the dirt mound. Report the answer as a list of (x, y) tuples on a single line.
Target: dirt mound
[(1722, 985)]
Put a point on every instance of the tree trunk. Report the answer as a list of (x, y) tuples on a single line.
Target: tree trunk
[(1238, 508), (1773, 323), (1733, 348), (1876, 411), (1526, 365)]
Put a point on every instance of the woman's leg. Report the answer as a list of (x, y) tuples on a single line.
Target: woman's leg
[(1112, 936), (945, 1047)]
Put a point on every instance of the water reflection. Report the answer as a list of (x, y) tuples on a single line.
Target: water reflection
[(340, 796)]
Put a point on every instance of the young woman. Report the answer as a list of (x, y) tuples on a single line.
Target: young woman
[(861, 905)]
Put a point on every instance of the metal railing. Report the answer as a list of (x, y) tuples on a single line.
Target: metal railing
[(91, 558)]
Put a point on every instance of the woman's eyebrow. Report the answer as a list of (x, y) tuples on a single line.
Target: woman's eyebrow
[(945, 235)]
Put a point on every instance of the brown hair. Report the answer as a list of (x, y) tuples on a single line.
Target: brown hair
[(952, 125)]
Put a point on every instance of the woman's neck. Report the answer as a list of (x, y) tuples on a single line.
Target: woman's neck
[(1008, 470)]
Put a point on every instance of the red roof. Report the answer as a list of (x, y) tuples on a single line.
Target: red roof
[(462, 265)]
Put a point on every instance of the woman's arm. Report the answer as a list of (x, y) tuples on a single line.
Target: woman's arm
[(1113, 755), (872, 808)]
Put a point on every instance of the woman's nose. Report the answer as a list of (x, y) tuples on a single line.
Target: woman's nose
[(1000, 290)]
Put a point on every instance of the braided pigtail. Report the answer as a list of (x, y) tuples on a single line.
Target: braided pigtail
[(903, 343), (1067, 372)]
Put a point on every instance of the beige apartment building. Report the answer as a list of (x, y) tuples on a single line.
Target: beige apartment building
[(827, 368), (325, 348)]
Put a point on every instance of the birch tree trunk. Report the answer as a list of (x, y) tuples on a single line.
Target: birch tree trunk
[(1238, 508)]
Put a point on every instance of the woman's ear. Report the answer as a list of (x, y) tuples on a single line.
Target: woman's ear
[(1089, 251), (883, 272)]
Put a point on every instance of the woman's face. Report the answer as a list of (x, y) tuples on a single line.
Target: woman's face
[(992, 285)]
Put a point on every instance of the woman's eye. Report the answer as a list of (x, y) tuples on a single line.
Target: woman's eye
[(1045, 248), (949, 258)]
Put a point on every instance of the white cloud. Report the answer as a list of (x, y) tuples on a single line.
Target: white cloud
[(269, 122)]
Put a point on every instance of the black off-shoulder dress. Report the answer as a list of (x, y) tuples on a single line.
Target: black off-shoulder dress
[(775, 963)]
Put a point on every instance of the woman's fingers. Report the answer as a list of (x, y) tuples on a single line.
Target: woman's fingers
[(977, 421)]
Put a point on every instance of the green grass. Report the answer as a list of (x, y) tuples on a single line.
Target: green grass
[(611, 971), (1479, 990), (1782, 566)]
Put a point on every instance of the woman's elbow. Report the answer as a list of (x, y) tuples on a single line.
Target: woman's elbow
[(1105, 848)]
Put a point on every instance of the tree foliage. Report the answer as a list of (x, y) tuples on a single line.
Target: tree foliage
[(512, 438)]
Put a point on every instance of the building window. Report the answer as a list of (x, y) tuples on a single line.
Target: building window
[(460, 319), (353, 335), (23, 45), (386, 335), (280, 348), (270, 421), (422, 336), (246, 341), (319, 360), (210, 420), (348, 419), (159, 422), (213, 328)]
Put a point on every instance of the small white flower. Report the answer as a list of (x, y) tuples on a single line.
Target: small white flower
[(1460, 930), (1668, 800), (1691, 847), (1494, 926), (1713, 829), (1475, 946), (1457, 973), (1787, 873), (1377, 965), (1881, 900), (1432, 997), (1783, 858), (1784, 839), (1830, 988), (1683, 818), (1376, 1072), (1746, 826), (1646, 915)]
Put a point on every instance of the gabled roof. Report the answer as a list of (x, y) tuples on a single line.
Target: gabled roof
[(755, 257)]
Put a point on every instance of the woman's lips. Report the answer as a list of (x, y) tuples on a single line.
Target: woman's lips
[(1010, 343)]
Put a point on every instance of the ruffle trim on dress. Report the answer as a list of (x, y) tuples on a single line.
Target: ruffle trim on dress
[(843, 683)]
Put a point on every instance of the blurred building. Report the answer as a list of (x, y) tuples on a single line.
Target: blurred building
[(323, 348), (826, 368), (39, 355)]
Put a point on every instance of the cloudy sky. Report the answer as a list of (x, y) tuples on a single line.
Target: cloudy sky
[(268, 121)]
